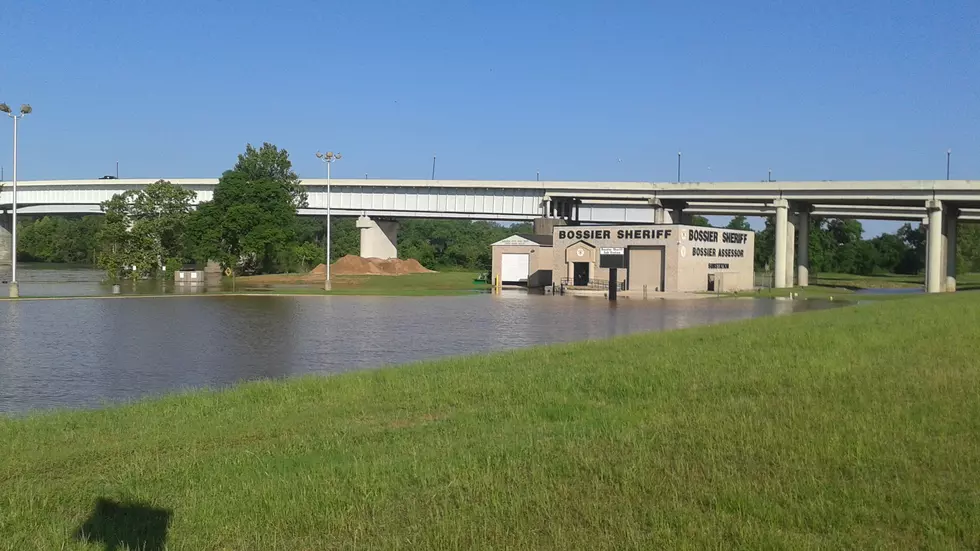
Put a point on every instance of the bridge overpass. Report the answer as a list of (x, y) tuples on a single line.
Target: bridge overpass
[(378, 204)]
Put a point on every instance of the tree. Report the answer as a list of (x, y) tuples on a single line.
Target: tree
[(967, 248), (248, 225), (739, 223), (914, 259), (58, 239), (271, 163), (698, 220), (144, 230)]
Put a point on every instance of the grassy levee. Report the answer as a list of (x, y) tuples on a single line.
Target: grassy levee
[(850, 428)]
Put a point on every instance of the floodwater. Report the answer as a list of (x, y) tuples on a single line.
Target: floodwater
[(88, 352)]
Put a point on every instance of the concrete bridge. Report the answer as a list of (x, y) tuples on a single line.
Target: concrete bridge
[(378, 204)]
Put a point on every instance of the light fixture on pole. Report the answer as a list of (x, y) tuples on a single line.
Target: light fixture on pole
[(328, 158), (25, 110)]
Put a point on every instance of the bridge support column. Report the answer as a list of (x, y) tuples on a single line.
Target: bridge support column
[(379, 238), (782, 222), (546, 226), (803, 247), (6, 238), (949, 229), (934, 248), (677, 214), (790, 247)]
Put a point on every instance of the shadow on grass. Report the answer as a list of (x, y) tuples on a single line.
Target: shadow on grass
[(125, 526)]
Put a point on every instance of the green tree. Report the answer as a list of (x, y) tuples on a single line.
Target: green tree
[(248, 225), (914, 258), (271, 163), (698, 220), (58, 239), (739, 223), (144, 230), (967, 248)]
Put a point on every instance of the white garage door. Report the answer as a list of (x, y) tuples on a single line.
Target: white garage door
[(514, 267)]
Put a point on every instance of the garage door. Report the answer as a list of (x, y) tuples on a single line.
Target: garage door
[(646, 267), (514, 267)]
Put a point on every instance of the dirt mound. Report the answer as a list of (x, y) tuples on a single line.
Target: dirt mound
[(355, 265)]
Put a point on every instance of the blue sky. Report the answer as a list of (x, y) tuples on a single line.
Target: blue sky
[(497, 90)]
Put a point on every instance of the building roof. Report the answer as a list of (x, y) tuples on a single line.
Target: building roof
[(526, 240), (545, 240)]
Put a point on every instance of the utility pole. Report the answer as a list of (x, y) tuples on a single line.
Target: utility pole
[(433, 167), (328, 158), (25, 110)]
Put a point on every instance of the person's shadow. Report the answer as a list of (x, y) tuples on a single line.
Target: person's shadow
[(125, 526)]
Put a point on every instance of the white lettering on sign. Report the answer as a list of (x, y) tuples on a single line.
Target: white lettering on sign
[(612, 250)]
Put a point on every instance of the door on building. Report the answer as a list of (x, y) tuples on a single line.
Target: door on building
[(646, 267), (514, 267), (580, 274)]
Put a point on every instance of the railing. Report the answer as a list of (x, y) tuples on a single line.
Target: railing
[(593, 284), (765, 280)]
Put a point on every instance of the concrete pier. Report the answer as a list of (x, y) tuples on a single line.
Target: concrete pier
[(782, 224), (546, 226), (949, 231), (790, 248), (934, 248), (6, 240), (803, 247), (379, 238)]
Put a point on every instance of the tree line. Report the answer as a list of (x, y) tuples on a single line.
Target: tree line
[(838, 246), (251, 225)]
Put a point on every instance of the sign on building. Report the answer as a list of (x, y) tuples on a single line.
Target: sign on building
[(612, 257)]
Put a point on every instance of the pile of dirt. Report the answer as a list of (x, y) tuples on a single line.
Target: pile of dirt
[(355, 265)]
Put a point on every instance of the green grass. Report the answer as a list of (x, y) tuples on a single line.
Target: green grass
[(888, 281), (851, 428)]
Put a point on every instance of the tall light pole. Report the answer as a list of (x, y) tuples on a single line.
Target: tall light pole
[(433, 167), (328, 158), (25, 110), (948, 152), (678, 167)]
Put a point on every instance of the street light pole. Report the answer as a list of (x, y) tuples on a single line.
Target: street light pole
[(328, 158), (948, 152), (25, 110), (678, 167)]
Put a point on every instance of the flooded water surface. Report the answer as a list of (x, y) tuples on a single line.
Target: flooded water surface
[(90, 352)]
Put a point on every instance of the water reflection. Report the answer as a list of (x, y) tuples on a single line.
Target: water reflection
[(54, 280), (83, 353)]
